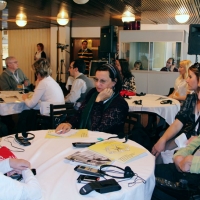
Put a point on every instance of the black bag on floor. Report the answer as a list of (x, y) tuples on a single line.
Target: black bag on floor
[(140, 135), (3, 129)]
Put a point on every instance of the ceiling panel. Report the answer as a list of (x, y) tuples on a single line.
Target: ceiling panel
[(42, 13)]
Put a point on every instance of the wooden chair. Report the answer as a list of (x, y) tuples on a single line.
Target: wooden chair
[(132, 119)]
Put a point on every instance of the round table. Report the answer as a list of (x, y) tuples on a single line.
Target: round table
[(152, 103), (59, 180)]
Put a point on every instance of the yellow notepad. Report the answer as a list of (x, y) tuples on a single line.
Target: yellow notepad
[(78, 134), (119, 151)]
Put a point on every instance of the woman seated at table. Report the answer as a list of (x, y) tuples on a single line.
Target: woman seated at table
[(185, 118), (47, 89), (137, 65), (181, 87), (12, 189), (103, 108), (127, 77)]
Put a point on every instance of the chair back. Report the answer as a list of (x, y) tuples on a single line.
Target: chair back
[(58, 114)]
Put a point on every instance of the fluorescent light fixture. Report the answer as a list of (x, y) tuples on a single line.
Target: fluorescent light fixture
[(80, 1), (128, 17), (21, 19), (62, 18), (2, 4)]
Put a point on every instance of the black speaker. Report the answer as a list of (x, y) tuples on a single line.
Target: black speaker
[(194, 39), (108, 39)]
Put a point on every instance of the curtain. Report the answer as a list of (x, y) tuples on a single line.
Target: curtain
[(22, 44)]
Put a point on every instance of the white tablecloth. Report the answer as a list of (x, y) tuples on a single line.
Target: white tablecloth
[(59, 180), (13, 103), (150, 103)]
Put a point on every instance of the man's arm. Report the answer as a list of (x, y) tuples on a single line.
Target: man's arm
[(4, 85), (78, 87)]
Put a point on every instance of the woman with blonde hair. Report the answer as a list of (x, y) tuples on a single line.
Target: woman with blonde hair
[(180, 87)]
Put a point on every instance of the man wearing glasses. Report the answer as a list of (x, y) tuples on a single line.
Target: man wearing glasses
[(81, 84), (170, 66), (12, 77)]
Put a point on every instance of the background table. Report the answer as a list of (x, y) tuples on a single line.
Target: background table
[(58, 178), (13, 103), (150, 103)]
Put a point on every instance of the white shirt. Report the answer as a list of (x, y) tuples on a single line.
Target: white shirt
[(47, 90), (78, 87), (181, 86), (11, 189)]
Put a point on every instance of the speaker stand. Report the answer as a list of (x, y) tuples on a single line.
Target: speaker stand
[(196, 61)]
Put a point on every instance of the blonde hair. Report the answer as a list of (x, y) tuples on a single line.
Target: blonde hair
[(42, 67), (186, 64)]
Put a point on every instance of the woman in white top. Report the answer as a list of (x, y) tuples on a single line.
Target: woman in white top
[(40, 52), (29, 188), (47, 89), (181, 87)]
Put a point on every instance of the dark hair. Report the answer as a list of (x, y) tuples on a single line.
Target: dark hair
[(42, 67), (41, 46), (125, 68), (138, 62), (195, 68), (85, 41), (80, 64), (113, 74), (173, 61)]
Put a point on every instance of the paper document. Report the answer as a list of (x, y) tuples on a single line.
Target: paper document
[(71, 134), (117, 150)]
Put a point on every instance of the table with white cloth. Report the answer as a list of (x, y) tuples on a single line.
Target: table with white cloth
[(58, 179), (151, 103), (13, 103)]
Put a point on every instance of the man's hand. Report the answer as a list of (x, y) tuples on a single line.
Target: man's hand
[(158, 147), (24, 96), (25, 83), (19, 164), (177, 161), (105, 94), (63, 128)]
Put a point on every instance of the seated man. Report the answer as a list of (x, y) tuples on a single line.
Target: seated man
[(81, 84), (12, 189), (186, 166), (170, 66), (12, 77)]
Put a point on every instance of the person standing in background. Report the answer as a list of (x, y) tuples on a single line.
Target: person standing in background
[(85, 54), (40, 52)]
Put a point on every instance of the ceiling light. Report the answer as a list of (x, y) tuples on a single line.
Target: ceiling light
[(182, 15), (62, 18), (182, 18), (80, 1), (2, 4), (128, 17), (21, 19)]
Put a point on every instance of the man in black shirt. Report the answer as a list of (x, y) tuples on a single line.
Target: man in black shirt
[(170, 66)]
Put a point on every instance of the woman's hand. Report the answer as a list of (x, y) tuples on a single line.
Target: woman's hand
[(177, 161), (186, 163), (24, 96), (19, 164), (158, 147), (191, 139), (105, 94), (63, 128)]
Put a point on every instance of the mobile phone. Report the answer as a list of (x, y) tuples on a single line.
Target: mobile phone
[(87, 179), (83, 144), (87, 170)]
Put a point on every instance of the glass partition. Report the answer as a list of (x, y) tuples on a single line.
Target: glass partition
[(150, 55)]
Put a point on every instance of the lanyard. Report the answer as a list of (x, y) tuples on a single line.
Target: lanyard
[(16, 77)]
